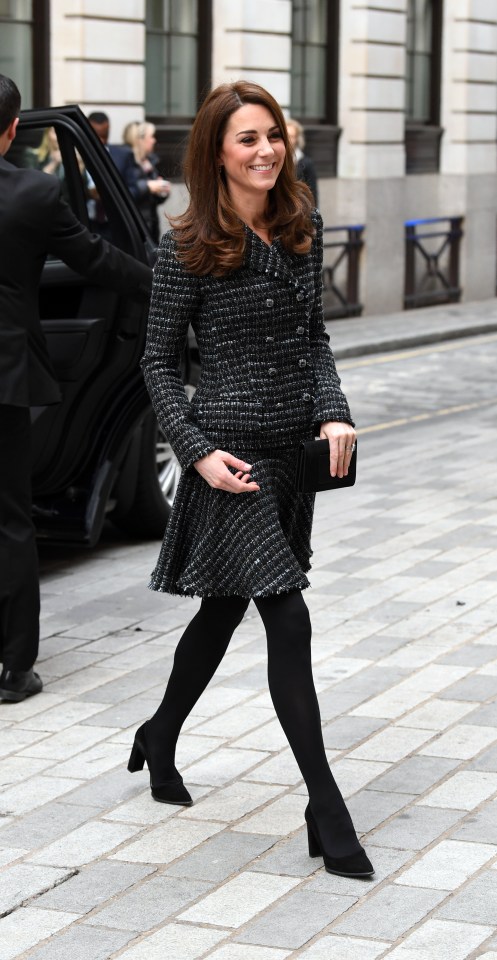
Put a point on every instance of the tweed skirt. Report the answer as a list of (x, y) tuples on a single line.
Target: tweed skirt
[(249, 544)]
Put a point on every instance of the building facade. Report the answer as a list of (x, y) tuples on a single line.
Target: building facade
[(398, 99)]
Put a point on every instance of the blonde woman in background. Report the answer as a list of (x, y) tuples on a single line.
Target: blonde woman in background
[(304, 166), (147, 187)]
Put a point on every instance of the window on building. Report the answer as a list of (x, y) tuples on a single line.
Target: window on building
[(314, 74), (172, 57), (423, 65), (24, 53), (178, 71)]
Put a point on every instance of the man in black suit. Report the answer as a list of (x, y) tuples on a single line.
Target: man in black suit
[(34, 221)]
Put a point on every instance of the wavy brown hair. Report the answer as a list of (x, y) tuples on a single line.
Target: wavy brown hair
[(210, 235)]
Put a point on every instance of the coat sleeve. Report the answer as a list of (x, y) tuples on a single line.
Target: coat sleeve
[(91, 255), (330, 402), (175, 299)]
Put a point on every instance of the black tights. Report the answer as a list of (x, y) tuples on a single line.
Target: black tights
[(291, 685)]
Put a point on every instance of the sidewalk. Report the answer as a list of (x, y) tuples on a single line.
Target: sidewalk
[(411, 328), (403, 606)]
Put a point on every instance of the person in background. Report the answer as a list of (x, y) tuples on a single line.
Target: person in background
[(243, 266), (304, 166), (35, 221), (119, 152), (143, 179)]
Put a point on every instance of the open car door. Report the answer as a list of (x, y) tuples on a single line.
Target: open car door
[(89, 446)]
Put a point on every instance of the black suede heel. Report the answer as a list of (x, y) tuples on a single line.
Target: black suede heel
[(355, 865), (169, 791)]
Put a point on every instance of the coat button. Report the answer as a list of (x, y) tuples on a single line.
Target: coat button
[(279, 406), (306, 396), (269, 302), (272, 371), (269, 339), (300, 331), (302, 363), (300, 296)]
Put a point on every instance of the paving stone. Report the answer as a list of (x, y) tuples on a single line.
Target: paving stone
[(149, 904), (83, 943), (478, 900), (462, 742), (388, 913), (222, 855), (472, 654), (412, 691), (233, 802), (376, 647), (107, 790), (443, 939), (413, 775), (352, 775), (282, 816), (363, 687), (23, 880), (295, 920), (239, 900), (63, 745), (175, 941), (415, 828), (44, 825), (92, 840), (346, 732), (463, 791), (369, 808), (289, 857), (19, 800), (91, 763), (436, 714), (64, 715), (344, 948), (279, 769), (447, 865), (486, 715), (238, 951), (480, 826), (385, 862), (166, 842), (93, 885), (26, 927), (225, 765), (472, 688)]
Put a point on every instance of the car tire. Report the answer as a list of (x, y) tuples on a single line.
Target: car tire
[(157, 478)]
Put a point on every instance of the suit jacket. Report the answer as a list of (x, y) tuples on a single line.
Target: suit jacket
[(268, 375), (34, 221)]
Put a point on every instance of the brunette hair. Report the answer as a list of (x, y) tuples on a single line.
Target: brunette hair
[(210, 236)]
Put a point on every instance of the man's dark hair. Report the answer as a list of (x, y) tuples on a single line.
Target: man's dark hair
[(10, 102), (98, 117)]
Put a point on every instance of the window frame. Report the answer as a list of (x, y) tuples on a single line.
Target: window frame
[(172, 131), (422, 138), (39, 24), (322, 133)]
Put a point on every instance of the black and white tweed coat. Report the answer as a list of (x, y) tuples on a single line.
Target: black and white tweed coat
[(268, 380)]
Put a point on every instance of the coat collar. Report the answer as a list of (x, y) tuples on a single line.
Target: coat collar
[(267, 259)]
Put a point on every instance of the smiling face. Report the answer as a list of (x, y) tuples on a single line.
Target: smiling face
[(252, 152)]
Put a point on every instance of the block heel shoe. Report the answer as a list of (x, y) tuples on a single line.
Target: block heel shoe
[(354, 865), (169, 791)]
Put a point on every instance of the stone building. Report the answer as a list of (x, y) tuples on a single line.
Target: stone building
[(398, 99)]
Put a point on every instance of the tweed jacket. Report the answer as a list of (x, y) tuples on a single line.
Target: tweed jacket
[(268, 375)]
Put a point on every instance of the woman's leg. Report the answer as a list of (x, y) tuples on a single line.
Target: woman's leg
[(196, 659), (291, 684)]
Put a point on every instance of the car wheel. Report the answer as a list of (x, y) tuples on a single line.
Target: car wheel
[(156, 481)]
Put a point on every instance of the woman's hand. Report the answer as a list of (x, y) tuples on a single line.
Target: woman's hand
[(342, 439), (214, 469)]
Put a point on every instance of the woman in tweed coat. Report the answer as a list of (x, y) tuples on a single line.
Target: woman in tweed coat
[(243, 266)]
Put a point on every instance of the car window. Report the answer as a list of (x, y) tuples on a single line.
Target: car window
[(52, 151)]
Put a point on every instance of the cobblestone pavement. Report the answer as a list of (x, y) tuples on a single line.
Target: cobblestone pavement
[(403, 600)]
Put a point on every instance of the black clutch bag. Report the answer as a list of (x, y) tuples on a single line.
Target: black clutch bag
[(313, 468)]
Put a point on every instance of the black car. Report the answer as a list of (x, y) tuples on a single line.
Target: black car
[(98, 453)]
